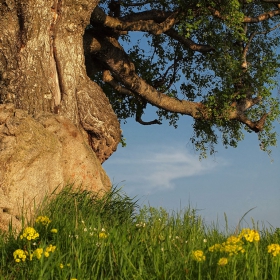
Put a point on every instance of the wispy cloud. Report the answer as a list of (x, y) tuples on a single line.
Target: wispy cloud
[(158, 168)]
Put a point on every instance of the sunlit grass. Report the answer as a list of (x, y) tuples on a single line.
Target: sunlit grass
[(80, 236)]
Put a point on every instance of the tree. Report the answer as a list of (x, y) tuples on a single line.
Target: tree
[(214, 61)]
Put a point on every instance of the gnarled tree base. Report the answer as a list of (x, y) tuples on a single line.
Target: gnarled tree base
[(37, 156)]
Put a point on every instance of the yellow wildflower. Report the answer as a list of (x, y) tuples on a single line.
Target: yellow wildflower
[(102, 235), (19, 255), (250, 235), (233, 245), (222, 261), (38, 253), (198, 256), (50, 248), (54, 230), (29, 233), (273, 249), (61, 265), (233, 240), (215, 247), (44, 220)]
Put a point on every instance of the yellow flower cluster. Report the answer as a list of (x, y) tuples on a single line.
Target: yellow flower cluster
[(19, 255), (40, 251), (44, 220), (198, 256), (37, 253), (222, 261), (215, 247), (273, 249), (29, 233), (233, 245), (49, 249), (250, 235)]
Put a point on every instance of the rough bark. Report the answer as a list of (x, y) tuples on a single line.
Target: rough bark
[(39, 155), (59, 116), (42, 67)]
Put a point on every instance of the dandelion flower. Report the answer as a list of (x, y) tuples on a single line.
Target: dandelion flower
[(54, 230)]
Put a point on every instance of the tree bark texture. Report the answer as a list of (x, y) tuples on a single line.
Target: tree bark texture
[(42, 67), (40, 155), (56, 125)]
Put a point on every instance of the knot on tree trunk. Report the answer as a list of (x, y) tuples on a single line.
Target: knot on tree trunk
[(98, 120)]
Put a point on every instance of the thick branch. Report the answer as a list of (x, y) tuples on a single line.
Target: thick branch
[(262, 17), (98, 16), (122, 69), (107, 78)]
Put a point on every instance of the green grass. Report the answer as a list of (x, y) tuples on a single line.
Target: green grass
[(112, 238)]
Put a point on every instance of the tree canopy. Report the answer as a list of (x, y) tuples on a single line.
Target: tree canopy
[(215, 61)]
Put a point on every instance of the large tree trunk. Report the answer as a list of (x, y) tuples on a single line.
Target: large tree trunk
[(42, 72)]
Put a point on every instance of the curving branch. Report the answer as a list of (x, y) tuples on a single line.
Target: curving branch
[(143, 22), (151, 26), (139, 120), (123, 71)]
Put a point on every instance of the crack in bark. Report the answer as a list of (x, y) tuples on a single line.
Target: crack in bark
[(57, 11)]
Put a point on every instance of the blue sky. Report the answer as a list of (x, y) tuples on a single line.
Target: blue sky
[(160, 167)]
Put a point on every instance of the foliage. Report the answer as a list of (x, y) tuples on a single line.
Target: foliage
[(243, 63), (105, 238)]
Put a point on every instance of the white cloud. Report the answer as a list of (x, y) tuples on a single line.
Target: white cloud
[(158, 168)]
